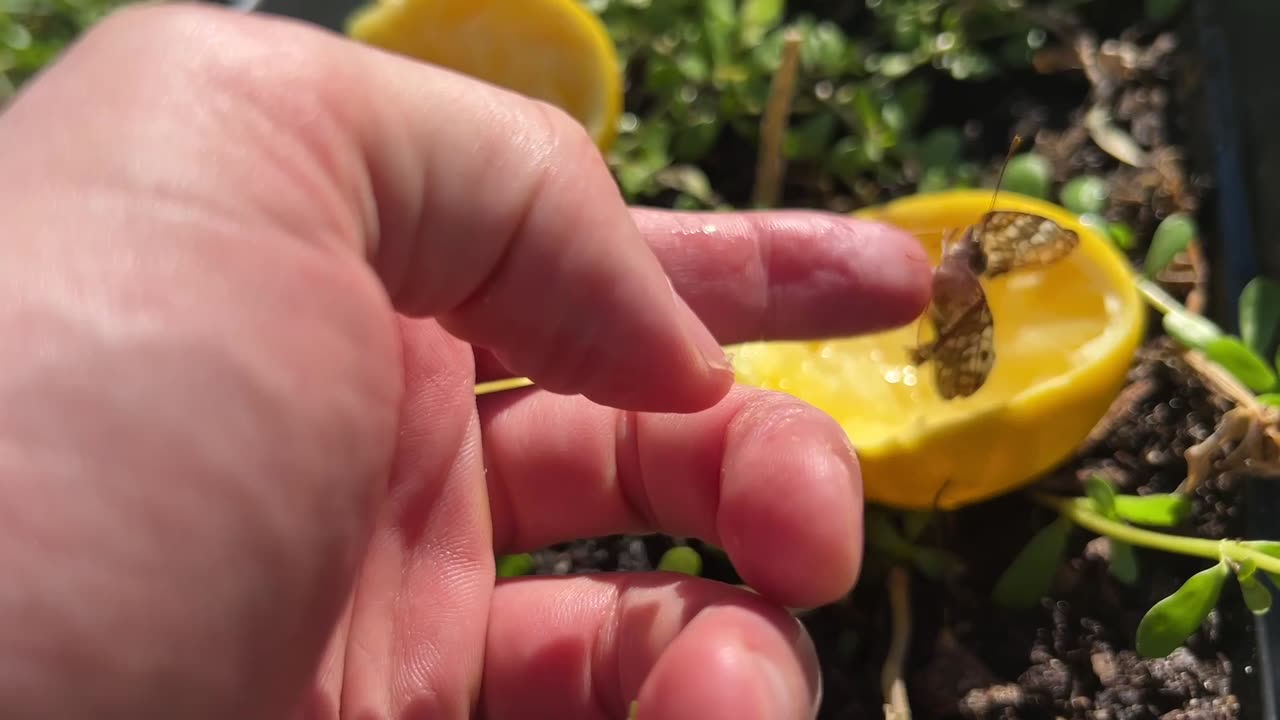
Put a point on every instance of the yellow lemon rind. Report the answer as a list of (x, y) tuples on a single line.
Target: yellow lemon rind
[(376, 22)]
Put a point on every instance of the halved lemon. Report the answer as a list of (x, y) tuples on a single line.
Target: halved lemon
[(557, 51), (1065, 337)]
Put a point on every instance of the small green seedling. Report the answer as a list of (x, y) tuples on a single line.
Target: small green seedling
[(1085, 194), (898, 541), (1173, 236), (515, 565), (1119, 518), (681, 559), (1238, 369)]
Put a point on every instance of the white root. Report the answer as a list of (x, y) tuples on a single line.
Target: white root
[(892, 684)]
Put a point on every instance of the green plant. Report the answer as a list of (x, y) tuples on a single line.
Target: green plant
[(515, 565), (1126, 522), (681, 559), (1029, 174), (1243, 356), (1237, 368), (895, 537), (700, 71), (1084, 195), (34, 32)]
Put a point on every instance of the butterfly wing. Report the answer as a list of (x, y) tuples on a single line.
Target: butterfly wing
[(964, 352), (1016, 240)]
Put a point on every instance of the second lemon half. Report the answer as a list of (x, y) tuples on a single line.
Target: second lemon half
[(557, 51), (1064, 339)]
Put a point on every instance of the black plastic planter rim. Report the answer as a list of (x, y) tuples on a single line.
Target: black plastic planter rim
[(1230, 139), (1234, 133)]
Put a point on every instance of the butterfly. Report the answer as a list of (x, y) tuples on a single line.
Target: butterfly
[(1002, 241)]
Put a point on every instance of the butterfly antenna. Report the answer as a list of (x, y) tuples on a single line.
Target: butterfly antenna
[(1013, 148)]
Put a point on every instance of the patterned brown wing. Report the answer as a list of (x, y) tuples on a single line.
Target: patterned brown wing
[(1015, 240), (963, 352)]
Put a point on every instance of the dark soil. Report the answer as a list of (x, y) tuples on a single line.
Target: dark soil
[(1073, 656)]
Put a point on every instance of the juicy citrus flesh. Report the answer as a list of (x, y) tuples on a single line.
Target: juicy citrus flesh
[(557, 51), (1065, 336)]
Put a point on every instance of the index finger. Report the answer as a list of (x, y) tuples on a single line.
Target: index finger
[(487, 210)]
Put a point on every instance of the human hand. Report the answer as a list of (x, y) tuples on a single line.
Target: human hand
[(251, 272)]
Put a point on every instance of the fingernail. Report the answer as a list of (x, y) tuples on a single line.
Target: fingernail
[(779, 697), (703, 340)]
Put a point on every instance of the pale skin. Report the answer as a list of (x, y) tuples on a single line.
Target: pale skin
[(252, 271)]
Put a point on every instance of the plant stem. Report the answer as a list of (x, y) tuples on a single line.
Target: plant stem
[(1156, 296), (893, 687), (495, 386), (1213, 373), (773, 125), (1079, 512)]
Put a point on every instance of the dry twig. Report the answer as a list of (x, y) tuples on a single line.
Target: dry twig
[(773, 124)]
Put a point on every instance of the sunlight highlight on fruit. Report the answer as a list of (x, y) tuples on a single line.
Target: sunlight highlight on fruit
[(1064, 338)]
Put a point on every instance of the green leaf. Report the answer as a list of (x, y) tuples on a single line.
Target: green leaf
[(719, 19), (849, 160), (1162, 10), (896, 65), (1272, 399), (1243, 363), (825, 50), (1256, 596), (1260, 314), (1028, 174), (936, 564), (1124, 562), (883, 534), (758, 17), (1102, 495), (681, 559), (941, 147), (662, 76), (1030, 575), (634, 713), (515, 565), (1173, 235), (810, 139), (1085, 194), (696, 138), (1159, 510), (1169, 623), (1190, 329), (934, 179), (688, 180), (1121, 235), (915, 522)]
